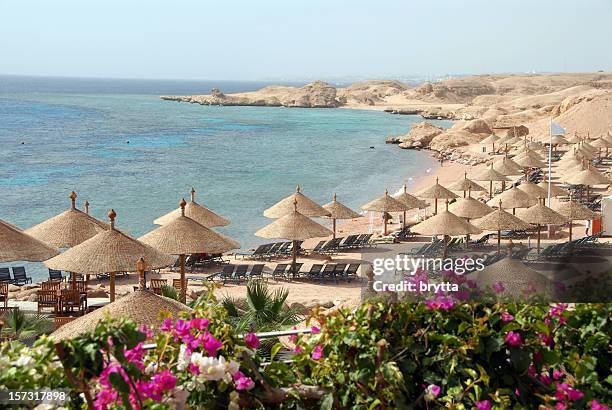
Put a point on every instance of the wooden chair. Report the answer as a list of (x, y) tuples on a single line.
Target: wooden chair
[(4, 293), (48, 299), (156, 285), (50, 285), (71, 301), (62, 320), (176, 283), (81, 286)]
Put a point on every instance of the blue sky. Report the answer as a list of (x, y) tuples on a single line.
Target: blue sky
[(253, 40)]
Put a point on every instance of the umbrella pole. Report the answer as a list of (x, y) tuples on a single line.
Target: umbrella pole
[(384, 224), (334, 227), (73, 274), (490, 189), (404, 220), (445, 245), (467, 237), (464, 193), (435, 206), (294, 256), (112, 286), (570, 230), (539, 234), (498, 241), (183, 287)]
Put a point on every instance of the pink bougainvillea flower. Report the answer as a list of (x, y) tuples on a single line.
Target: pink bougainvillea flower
[(574, 394), (595, 405), (546, 339), (483, 405), (315, 330), (210, 343), (251, 340), (166, 325), (298, 349), (317, 352), (293, 338), (514, 339), (507, 317), (471, 284), (498, 287), (557, 374), (545, 380), (198, 323), (561, 406), (434, 390), (148, 332), (164, 380), (244, 383)]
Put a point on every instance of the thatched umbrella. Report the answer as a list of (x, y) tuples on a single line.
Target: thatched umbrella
[(435, 192), (587, 177), (469, 208), (489, 174), (573, 139), (15, 245), (338, 210), (110, 251), (517, 279), (410, 201), (572, 210), (465, 184), (385, 203), (184, 236), (195, 211), (514, 198), (599, 144), (294, 227), (491, 139), (445, 223), (305, 206), (541, 215), (533, 190), (143, 307), (529, 159), (507, 167), (67, 229), (498, 221), (555, 190), (558, 140)]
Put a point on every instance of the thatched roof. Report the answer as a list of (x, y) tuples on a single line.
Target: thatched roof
[(385, 203), (197, 212), (338, 210), (293, 227), (305, 206), (15, 245), (445, 223)]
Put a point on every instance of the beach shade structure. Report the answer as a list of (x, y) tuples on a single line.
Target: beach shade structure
[(184, 236), (572, 210), (587, 177), (529, 159), (435, 192), (385, 203), (16, 245), (539, 215), (338, 210), (490, 175), (410, 201), (533, 190), (558, 140), (67, 229), (573, 139), (498, 221), (469, 208), (142, 306), (511, 278), (294, 227), (305, 206), (599, 144), (110, 251), (465, 185), (555, 190), (195, 211), (513, 198), (445, 223), (490, 140), (507, 167), (570, 163)]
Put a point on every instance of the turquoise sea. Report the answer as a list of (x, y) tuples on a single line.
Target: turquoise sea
[(118, 145)]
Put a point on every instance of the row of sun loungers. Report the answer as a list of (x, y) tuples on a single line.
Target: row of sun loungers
[(338, 244), (270, 250), (243, 273), (561, 250), (19, 276)]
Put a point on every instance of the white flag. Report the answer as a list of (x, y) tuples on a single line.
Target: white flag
[(556, 129)]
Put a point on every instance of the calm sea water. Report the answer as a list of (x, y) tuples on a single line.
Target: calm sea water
[(241, 160)]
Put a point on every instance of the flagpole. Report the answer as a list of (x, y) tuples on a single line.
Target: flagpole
[(549, 167)]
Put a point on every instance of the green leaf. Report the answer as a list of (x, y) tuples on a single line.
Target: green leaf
[(374, 404), (327, 403)]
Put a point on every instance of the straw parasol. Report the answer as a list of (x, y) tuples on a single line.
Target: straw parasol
[(143, 307), (489, 174), (587, 177), (491, 139), (305, 206), (195, 211), (110, 251), (529, 159), (540, 214), (514, 198), (184, 236), (294, 227), (555, 190), (558, 140), (518, 280), (498, 221), (533, 190), (572, 210), (410, 201), (465, 184), (445, 223), (15, 245), (507, 167), (599, 144), (385, 203), (67, 229), (469, 208), (338, 210), (435, 192), (573, 139)]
